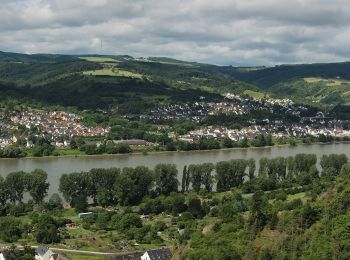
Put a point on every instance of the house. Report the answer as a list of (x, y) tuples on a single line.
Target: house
[(29, 143), (130, 256), (44, 253), (157, 254)]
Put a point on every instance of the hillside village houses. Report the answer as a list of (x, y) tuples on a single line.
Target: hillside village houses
[(57, 126)]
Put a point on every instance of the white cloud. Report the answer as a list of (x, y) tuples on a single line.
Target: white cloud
[(220, 31)]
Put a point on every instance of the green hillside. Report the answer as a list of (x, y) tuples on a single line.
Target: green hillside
[(122, 82), (134, 84)]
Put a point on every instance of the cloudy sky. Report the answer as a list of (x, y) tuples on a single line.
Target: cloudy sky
[(237, 32)]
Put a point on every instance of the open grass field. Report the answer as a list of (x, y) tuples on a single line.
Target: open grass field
[(254, 94), (301, 195), (113, 72), (328, 82), (98, 59)]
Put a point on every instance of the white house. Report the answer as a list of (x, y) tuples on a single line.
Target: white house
[(44, 253), (156, 254)]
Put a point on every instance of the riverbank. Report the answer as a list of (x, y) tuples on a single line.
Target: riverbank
[(145, 153), (56, 166)]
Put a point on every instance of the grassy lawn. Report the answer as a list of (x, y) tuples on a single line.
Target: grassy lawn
[(98, 59), (112, 72), (254, 94), (75, 256), (301, 195), (328, 82), (62, 152)]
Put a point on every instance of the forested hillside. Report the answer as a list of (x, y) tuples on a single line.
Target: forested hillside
[(90, 82)]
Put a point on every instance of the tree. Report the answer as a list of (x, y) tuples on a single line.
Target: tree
[(133, 185), (184, 178), (230, 174), (46, 230), (166, 178), (195, 207), (345, 170), (258, 210), (228, 143), (196, 176), (16, 183), (222, 175), (73, 144), (207, 177), (13, 253), (103, 197), (251, 165), (231, 206), (102, 221), (55, 202), (102, 180), (37, 185), (335, 161), (126, 221), (11, 230), (74, 184), (275, 168), (175, 203), (80, 203), (3, 194)]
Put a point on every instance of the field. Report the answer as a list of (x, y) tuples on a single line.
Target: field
[(98, 59), (113, 72), (254, 94), (328, 82), (86, 257), (301, 195)]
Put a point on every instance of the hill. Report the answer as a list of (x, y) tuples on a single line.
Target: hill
[(313, 84), (93, 81), (135, 84)]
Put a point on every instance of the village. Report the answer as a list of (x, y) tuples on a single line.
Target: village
[(229, 104), (285, 119), (57, 126), (315, 125)]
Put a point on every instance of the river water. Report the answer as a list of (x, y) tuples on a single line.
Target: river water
[(56, 166)]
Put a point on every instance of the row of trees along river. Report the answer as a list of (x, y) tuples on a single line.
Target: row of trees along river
[(130, 186)]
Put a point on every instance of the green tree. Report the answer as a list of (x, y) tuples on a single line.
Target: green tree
[(10, 229), (37, 185), (80, 203), (46, 229), (184, 178), (3, 194), (258, 211), (102, 221), (195, 172), (16, 183), (126, 221), (166, 178)]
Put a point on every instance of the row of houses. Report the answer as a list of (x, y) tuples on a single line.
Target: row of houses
[(220, 133), (44, 253)]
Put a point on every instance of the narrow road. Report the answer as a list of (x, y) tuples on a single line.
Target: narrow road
[(63, 250)]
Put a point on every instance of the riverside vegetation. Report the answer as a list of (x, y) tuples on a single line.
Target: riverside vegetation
[(287, 210)]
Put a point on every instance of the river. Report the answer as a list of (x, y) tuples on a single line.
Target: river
[(56, 166)]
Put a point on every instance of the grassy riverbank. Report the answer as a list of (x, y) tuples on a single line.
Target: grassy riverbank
[(61, 153)]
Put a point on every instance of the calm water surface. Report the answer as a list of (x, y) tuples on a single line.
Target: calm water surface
[(56, 166)]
